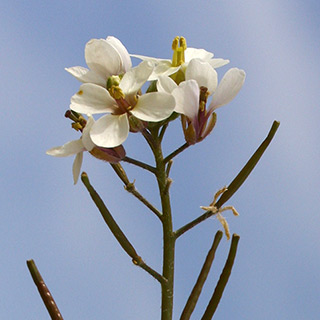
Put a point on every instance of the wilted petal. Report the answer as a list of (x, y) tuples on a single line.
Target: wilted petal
[(228, 88), (110, 131), (68, 149), (154, 106), (92, 99), (85, 75), (165, 84), (135, 78), (76, 167), (102, 58), (203, 73), (187, 98), (126, 60), (192, 53)]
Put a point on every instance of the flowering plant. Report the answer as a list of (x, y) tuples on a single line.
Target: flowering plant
[(185, 88)]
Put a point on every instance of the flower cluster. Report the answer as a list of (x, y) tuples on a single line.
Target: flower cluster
[(113, 88)]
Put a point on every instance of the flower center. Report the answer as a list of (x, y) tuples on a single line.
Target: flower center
[(179, 45)]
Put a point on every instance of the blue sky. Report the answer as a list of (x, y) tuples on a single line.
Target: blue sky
[(46, 218)]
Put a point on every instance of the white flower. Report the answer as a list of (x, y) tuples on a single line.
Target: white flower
[(76, 147), (200, 75), (228, 88), (105, 58), (112, 129), (182, 56), (187, 95)]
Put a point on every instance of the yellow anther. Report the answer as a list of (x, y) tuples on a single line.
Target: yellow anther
[(77, 126), (183, 43), (179, 45), (116, 92), (175, 43)]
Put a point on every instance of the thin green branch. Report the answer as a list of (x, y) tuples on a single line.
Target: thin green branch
[(236, 182), (176, 152), (249, 166), (116, 231), (224, 277), (163, 130), (195, 293), (140, 164), (130, 187), (193, 223), (169, 165), (44, 291)]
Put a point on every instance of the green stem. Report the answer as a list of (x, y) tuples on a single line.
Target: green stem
[(130, 187), (140, 164), (194, 296), (44, 291), (224, 277), (117, 232), (168, 234), (176, 152), (236, 182)]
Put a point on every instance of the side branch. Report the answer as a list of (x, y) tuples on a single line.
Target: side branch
[(236, 182), (116, 231), (193, 223), (224, 277), (44, 291), (130, 187), (176, 152), (194, 296), (140, 164), (249, 166)]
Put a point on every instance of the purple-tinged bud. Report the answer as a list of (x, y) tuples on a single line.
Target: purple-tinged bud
[(112, 155)]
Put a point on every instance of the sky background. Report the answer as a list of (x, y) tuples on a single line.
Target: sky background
[(46, 218)]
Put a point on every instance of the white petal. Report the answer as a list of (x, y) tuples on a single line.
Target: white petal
[(228, 88), (76, 167), (92, 99), (135, 78), (218, 62), (163, 68), (86, 140), (201, 54), (68, 149), (145, 58), (125, 57), (103, 58), (203, 73), (166, 84), (187, 98), (110, 131), (84, 75), (154, 106)]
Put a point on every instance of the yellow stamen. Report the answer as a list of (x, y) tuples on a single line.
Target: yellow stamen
[(179, 45), (116, 92)]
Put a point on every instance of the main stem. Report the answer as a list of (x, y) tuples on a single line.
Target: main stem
[(168, 234)]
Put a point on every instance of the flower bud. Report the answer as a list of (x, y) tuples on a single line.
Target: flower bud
[(112, 155)]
